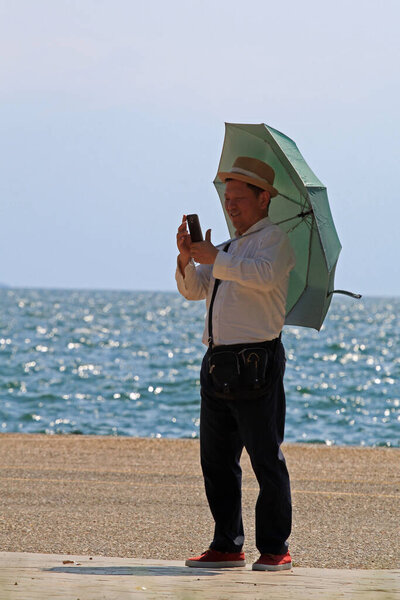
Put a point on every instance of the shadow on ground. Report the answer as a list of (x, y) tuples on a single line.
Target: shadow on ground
[(137, 571)]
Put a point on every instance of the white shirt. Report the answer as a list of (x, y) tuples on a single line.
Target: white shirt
[(250, 303)]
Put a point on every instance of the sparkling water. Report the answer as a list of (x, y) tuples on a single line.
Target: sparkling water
[(127, 363)]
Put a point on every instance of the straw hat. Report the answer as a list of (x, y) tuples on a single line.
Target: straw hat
[(252, 170)]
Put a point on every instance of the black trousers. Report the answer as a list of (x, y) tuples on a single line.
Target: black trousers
[(228, 426)]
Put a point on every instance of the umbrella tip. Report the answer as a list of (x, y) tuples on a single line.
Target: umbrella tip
[(351, 294)]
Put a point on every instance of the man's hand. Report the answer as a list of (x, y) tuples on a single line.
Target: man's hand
[(205, 252), (183, 242)]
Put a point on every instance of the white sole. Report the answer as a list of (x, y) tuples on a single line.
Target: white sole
[(259, 567), (221, 564)]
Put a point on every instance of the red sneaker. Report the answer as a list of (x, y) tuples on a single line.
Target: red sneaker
[(217, 560), (273, 562)]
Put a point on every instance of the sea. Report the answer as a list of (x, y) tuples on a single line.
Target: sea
[(126, 363)]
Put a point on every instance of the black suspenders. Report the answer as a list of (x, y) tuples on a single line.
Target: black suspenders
[(210, 310)]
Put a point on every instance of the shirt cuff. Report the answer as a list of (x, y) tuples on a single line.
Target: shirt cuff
[(188, 270)]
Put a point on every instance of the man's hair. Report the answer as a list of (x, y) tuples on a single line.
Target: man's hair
[(257, 190)]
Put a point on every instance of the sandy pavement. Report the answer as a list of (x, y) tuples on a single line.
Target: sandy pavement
[(144, 498)]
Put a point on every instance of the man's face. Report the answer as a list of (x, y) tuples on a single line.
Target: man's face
[(243, 206)]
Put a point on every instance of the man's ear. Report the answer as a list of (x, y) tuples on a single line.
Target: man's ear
[(265, 197)]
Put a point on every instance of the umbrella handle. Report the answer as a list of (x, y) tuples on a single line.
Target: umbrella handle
[(351, 294)]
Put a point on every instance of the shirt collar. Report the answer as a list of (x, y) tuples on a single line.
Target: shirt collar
[(257, 226)]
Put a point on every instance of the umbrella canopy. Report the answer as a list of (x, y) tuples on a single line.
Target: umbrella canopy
[(301, 209)]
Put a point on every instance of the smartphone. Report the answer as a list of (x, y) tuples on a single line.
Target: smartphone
[(194, 228)]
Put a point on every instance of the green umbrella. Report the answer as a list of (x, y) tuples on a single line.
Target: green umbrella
[(301, 209)]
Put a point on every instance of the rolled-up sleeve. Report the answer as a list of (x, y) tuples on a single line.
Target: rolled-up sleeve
[(194, 286), (273, 260)]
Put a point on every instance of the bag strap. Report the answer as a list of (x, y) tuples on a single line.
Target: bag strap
[(210, 310)]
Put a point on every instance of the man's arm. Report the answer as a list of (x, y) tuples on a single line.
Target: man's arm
[(273, 260), (192, 281)]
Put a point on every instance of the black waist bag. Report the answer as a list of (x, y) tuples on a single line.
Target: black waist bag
[(238, 373)]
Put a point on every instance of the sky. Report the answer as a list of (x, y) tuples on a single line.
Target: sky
[(112, 123)]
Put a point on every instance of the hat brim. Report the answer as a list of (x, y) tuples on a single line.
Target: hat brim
[(264, 185)]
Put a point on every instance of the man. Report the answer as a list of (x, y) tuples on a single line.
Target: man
[(248, 312)]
